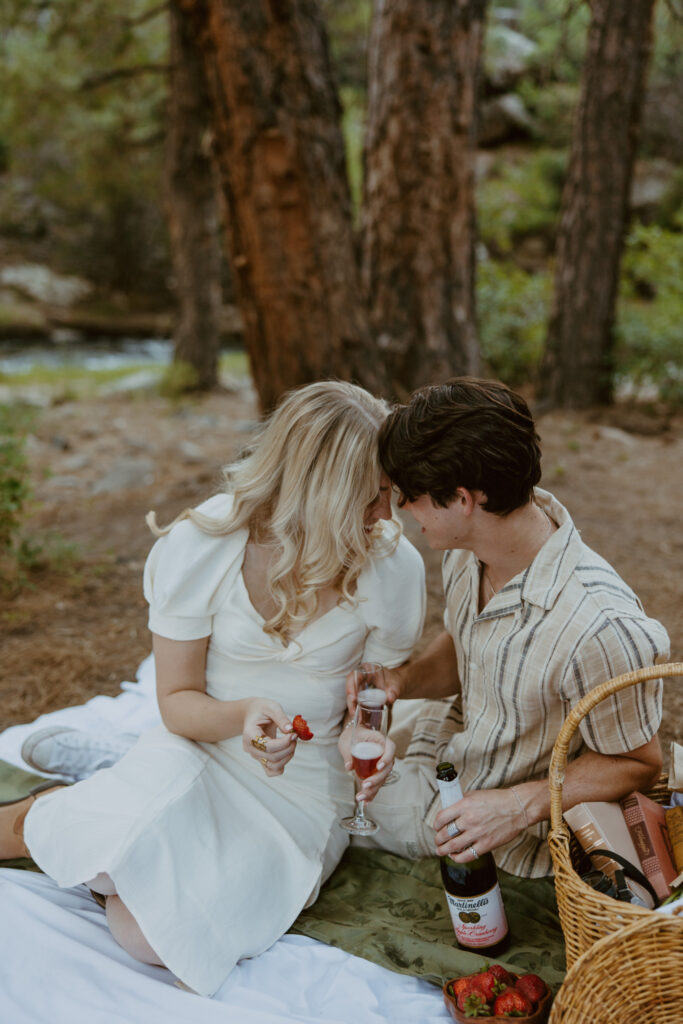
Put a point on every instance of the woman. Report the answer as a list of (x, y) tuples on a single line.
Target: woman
[(217, 828)]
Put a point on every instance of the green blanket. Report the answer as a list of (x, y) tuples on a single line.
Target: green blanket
[(393, 911)]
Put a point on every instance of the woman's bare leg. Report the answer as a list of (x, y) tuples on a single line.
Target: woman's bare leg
[(12, 825), (127, 932)]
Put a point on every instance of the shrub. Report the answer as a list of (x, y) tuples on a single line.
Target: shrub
[(512, 312), (649, 328), (180, 378), (521, 198), (14, 487)]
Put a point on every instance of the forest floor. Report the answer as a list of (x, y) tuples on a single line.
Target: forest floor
[(78, 627)]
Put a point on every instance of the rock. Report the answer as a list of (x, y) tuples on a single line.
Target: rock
[(19, 320), (245, 426), (65, 336), (503, 118), (44, 285), (61, 443), (74, 462), (124, 474), (64, 481), (507, 56), (615, 434), (652, 180), (11, 395), (141, 380), (190, 451)]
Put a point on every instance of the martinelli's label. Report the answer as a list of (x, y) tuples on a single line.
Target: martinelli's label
[(478, 920)]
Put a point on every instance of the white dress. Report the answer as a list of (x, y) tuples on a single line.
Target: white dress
[(214, 859)]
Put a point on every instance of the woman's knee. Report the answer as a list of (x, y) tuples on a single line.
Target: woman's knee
[(128, 933)]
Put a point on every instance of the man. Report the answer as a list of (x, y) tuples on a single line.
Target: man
[(533, 620)]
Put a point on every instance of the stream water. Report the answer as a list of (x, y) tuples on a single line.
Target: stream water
[(108, 354)]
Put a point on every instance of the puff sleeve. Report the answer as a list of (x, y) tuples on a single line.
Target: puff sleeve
[(189, 572), (393, 602)]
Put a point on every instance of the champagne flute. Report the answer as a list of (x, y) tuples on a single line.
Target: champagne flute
[(372, 698), (367, 747)]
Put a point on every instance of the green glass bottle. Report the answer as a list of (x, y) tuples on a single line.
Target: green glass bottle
[(473, 893)]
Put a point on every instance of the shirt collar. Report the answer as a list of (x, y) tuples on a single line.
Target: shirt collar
[(542, 581), (545, 578)]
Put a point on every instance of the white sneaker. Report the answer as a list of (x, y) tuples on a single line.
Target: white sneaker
[(74, 753)]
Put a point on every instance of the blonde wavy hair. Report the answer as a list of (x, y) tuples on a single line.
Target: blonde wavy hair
[(304, 487)]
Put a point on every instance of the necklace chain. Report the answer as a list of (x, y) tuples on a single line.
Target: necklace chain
[(486, 577)]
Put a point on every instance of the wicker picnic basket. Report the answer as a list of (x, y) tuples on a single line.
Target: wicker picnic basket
[(635, 975), (586, 915)]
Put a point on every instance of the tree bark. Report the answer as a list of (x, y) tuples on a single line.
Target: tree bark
[(193, 211), (578, 365), (419, 210), (282, 166)]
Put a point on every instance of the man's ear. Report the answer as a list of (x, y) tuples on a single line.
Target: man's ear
[(468, 500)]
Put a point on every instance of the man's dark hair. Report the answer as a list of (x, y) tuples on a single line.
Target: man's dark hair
[(471, 433)]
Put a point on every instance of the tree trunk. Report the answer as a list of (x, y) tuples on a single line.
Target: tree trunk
[(578, 364), (193, 212), (419, 220), (283, 177)]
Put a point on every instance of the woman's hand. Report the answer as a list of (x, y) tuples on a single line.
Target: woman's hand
[(259, 735), (370, 787)]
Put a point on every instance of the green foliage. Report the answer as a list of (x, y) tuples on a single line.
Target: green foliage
[(82, 135), (14, 486), (552, 106), (353, 127), (348, 25), (20, 552), (670, 209), (513, 311), (519, 198), (558, 27), (649, 330), (180, 378)]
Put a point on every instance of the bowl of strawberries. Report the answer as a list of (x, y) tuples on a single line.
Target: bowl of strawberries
[(494, 993)]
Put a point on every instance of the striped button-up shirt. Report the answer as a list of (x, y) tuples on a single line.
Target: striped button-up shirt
[(562, 626)]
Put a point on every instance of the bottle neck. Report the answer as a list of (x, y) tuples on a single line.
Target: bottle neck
[(450, 791)]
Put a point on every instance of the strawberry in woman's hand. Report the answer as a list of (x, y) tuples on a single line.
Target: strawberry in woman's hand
[(300, 726)]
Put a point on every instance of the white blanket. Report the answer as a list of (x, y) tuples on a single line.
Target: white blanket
[(60, 965)]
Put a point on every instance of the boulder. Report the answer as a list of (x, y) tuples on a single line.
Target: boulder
[(503, 118), (44, 285), (652, 180), (506, 58)]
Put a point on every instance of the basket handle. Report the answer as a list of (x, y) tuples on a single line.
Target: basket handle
[(558, 760)]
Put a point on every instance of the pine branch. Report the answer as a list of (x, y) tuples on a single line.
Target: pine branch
[(95, 81)]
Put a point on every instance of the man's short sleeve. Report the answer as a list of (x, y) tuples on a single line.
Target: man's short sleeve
[(630, 718)]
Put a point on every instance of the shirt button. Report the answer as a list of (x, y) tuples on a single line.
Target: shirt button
[(473, 666)]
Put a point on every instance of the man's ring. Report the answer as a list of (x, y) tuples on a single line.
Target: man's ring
[(259, 742), (473, 852), (452, 829), (264, 761)]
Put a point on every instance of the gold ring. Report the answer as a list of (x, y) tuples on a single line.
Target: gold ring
[(259, 742), (264, 761)]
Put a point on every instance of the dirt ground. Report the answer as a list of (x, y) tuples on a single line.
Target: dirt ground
[(97, 466)]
